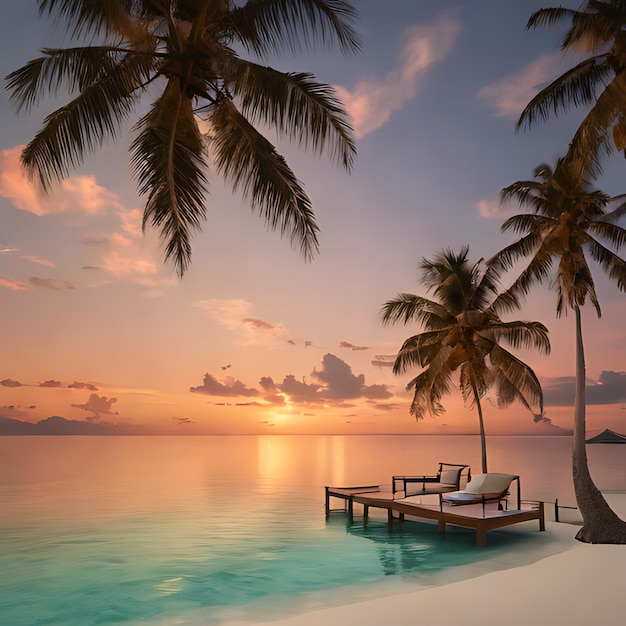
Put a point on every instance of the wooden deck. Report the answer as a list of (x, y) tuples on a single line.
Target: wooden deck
[(472, 517)]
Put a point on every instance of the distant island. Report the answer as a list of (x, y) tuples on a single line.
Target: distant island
[(56, 425)]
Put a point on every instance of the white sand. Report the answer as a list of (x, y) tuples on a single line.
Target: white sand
[(560, 581)]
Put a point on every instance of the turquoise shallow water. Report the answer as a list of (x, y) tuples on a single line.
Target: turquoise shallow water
[(201, 530)]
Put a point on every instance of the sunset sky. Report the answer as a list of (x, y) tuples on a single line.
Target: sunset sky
[(253, 339)]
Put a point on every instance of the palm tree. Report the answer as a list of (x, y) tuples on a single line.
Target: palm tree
[(206, 98), (462, 331), (599, 32), (569, 221)]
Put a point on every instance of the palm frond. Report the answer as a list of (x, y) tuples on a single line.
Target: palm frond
[(529, 335), (444, 264), (612, 233), (407, 308), (474, 380), (168, 159), (549, 17), (506, 258), (420, 350), (592, 139), (592, 28), (77, 69), (451, 278), (91, 16), (298, 106), (515, 380), (265, 26), (505, 302), (527, 193), (575, 282), (618, 212), (251, 164), (430, 386), (537, 271), (577, 86), (613, 265), (84, 123)]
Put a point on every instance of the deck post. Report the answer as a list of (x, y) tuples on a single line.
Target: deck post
[(327, 502), (481, 535)]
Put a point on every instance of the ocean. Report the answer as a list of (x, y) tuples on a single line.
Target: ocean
[(211, 530)]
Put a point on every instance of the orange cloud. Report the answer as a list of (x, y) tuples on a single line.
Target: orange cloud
[(14, 285), (78, 194)]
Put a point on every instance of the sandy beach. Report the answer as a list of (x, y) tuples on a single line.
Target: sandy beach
[(554, 580)]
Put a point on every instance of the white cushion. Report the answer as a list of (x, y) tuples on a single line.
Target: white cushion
[(489, 483)]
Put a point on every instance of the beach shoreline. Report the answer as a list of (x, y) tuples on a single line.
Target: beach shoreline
[(552, 579)]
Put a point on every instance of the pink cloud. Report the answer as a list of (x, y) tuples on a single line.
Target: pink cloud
[(131, 222), (372, 101), (491, 208)]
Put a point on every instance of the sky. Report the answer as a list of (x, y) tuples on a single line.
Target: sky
[(97, 328)]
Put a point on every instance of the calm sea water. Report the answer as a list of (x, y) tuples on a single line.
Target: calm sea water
[(204, 530)]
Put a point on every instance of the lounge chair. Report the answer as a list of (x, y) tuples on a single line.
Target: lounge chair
[(449, 477), (483, 488)]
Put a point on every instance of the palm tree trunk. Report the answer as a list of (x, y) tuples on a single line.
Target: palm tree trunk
[(600, 523), (483, 440), (481, 423)]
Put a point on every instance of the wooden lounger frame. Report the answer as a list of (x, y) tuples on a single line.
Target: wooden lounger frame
[(373, 497)]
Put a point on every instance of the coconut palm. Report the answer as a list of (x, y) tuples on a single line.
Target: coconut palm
[(461, 334), (598, 32), (186, 57), (569, 222)]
